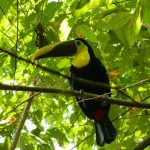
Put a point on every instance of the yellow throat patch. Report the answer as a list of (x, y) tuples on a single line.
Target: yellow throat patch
[(82, 58)]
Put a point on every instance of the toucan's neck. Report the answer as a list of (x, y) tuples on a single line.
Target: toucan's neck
[(81, 59), (89, 65)]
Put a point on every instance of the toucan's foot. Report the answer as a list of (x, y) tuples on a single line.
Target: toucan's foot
[(81, 94), (81, 98), (105, 102)]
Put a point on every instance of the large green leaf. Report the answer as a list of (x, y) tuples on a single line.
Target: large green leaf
[(119, 20), (87, 32)]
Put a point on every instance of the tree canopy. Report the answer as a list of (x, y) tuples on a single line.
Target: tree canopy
[(42, 119)]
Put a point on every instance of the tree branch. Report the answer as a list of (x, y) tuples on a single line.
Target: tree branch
[(143, 144), (85, 95), (80, 80), (21, 122), (49, 70)]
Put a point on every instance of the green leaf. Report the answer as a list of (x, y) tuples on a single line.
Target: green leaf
[(119, 20), (57, 134), (44, 146), (146, 13), (81, 3), (50, 10), (5, 6), (92, 5), (33, 75), (129, 32), (133, 27), (138, 133), (87, 32), (126, 26), (38, 139), (7, 143), (63, 63), (66, 27), (104, 38)]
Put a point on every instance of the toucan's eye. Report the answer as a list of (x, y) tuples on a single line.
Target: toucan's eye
[(78, 43)]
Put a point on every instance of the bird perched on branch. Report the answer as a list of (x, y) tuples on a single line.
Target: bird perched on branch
[(85, 65)]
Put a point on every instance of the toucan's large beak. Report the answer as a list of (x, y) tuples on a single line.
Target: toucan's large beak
[(67, 48)]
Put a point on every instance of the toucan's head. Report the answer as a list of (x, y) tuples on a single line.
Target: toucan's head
[(78, 48)]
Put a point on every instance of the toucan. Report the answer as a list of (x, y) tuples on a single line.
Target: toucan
[(87, 66)]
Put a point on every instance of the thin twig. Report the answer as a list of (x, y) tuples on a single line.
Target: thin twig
[(136, 84), (61, 138), (122, 114), (13, 109), (83, 140)]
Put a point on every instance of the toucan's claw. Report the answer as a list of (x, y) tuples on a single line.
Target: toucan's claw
[(81, 94)]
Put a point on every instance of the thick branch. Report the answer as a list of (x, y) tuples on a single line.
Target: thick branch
[(75, 93), (49, 70), (143, 144), (81, 80)]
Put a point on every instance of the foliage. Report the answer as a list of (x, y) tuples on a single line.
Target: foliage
[(118, 31)]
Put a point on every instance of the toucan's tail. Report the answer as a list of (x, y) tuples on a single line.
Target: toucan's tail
[(105, 132)]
